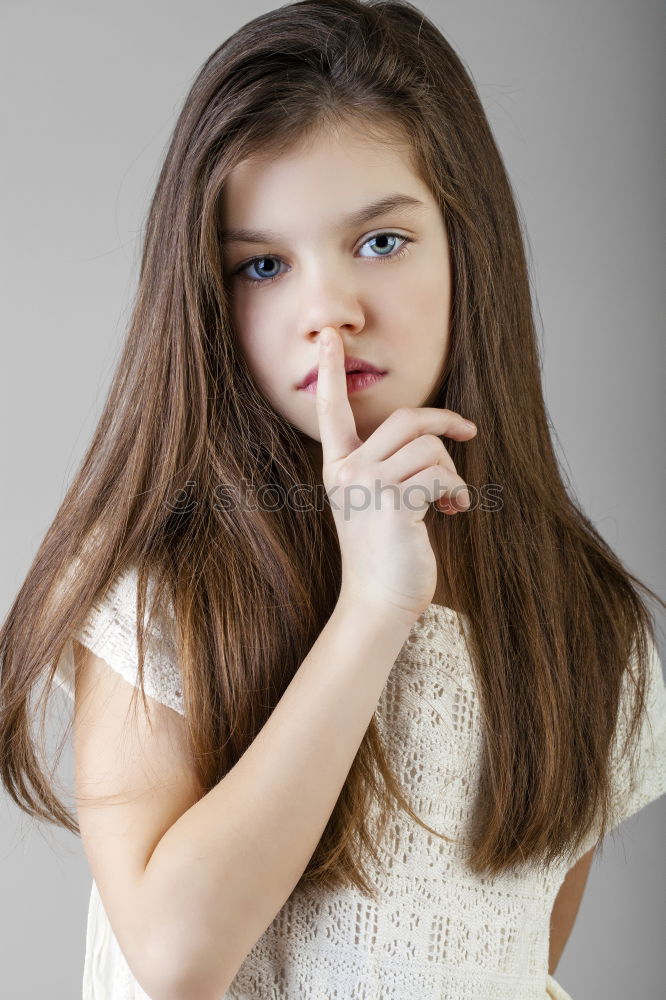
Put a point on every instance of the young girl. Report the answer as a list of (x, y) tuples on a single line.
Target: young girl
[(376, 746)]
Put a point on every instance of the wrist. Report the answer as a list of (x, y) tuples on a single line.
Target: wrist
[(371, 611)]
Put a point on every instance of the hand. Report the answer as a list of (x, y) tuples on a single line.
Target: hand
[(387, 558)]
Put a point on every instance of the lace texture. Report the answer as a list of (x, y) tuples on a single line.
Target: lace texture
[(438, 931)]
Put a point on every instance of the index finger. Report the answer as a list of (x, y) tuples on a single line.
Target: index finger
[(337, 426)]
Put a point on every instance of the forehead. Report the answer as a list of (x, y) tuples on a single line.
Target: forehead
[(357, 139), (333, 170)]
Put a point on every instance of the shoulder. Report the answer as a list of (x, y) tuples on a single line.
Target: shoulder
[(110, 629)]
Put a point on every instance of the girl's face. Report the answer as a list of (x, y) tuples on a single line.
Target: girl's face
[(382, 280)]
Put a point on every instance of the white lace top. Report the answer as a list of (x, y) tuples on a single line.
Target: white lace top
[(439, 930)]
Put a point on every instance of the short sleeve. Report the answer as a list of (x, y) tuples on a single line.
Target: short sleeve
[(109, 631), (650, 774)]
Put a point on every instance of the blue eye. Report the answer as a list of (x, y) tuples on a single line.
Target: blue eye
[(406, 240)]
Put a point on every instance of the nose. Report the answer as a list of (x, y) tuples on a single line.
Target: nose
[(330, 302), (343, 330)]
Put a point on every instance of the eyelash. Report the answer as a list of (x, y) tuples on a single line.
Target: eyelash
[(407, 240)]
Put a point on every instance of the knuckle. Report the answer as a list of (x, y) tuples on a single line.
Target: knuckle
[(443, 458), (443, 480), (458, 490), (435, 444), (403, 415), (440, 474)]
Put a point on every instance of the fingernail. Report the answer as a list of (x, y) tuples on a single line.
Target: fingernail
[(325, 337), (470, 424)]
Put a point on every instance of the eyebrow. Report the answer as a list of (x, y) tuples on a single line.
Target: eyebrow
[(388, 203)]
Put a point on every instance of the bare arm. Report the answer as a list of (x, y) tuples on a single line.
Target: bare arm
[(220, 874), (565, 908)]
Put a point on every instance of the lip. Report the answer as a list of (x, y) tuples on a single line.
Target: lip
[(351, 364), (355, 382)]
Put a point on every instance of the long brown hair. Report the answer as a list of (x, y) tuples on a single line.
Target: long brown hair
[(555, 621)]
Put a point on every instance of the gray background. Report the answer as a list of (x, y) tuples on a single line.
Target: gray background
[(573, 91)]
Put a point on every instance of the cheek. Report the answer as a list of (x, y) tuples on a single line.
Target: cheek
[(432, 290), (420, 303), (245, 315), (262, 359), (434, 310), (252, 335), (268, 361)]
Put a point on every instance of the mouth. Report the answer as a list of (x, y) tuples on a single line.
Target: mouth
[(354, 367), (355, 381)]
